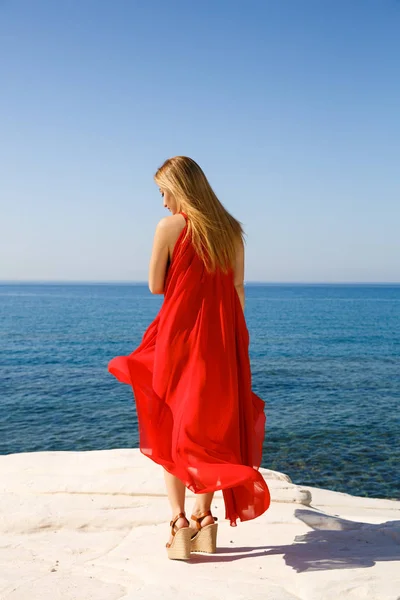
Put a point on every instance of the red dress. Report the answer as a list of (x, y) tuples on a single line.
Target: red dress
[(191, 380)]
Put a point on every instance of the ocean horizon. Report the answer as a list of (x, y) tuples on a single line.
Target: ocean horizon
[(144, 282), (325, 359)]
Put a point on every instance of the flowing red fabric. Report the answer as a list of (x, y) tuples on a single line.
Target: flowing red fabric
[(191, 380)]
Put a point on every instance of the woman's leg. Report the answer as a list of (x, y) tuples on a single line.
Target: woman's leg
[(176, 495), (202, 505)]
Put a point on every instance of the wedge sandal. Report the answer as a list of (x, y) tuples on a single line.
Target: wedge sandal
[(204, 539), (179, 548)]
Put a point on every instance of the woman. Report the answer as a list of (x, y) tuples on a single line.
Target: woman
[(191, 380)]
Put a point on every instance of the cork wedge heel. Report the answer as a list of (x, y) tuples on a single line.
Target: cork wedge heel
[(179, 548), (204, 539)]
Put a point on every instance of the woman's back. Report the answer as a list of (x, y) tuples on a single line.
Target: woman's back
[(174, 228)]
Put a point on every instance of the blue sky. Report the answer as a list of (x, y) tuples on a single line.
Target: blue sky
[(292, 108)]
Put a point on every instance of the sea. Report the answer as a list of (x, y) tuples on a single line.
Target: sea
[(325, 358)]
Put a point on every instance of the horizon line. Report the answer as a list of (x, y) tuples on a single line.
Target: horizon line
[(143, 282)]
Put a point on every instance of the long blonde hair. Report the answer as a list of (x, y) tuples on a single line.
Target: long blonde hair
[(214, 231)]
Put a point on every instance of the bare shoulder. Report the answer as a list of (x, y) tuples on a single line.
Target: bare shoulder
[(172, 224), (169, 230)]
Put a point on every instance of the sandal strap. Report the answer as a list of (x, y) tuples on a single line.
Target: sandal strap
[(201, 517), (174, 520)]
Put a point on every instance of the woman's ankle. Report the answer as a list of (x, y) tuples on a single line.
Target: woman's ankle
[(202, 521), (197, 512), (180, 520)]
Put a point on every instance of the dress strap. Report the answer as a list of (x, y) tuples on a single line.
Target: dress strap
[(184, 214)]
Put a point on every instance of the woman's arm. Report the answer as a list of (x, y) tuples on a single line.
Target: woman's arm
[(167, 233), (238, 272), (159, 257)]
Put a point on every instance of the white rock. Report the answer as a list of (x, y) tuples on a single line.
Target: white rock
[(93, 526)]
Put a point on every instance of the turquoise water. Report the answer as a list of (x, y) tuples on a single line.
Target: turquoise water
[(325, 358)]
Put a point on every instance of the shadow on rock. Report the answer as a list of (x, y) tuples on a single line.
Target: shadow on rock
[(333, 543)]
